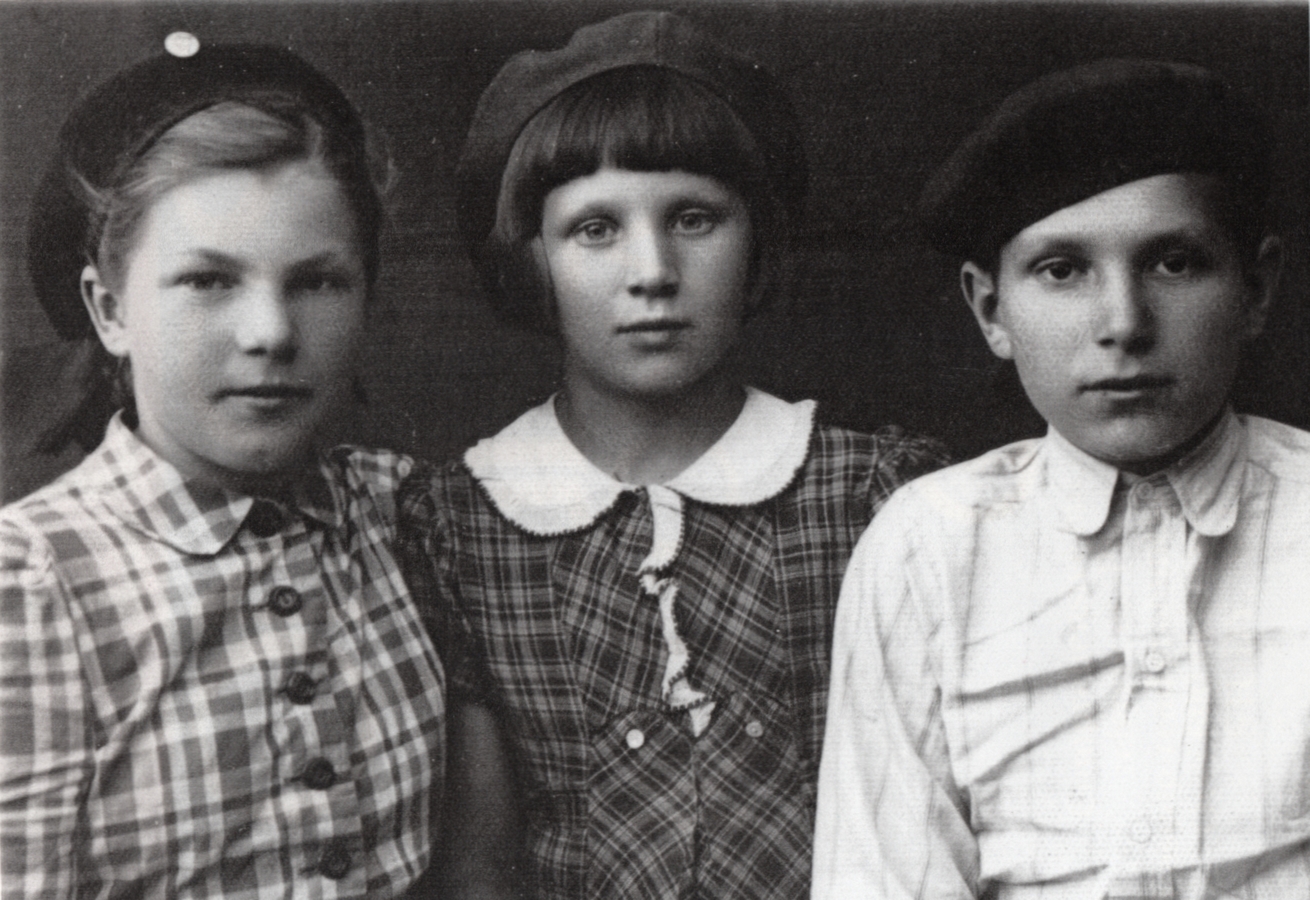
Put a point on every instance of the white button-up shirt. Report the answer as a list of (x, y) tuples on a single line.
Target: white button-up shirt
[(1050, 683)]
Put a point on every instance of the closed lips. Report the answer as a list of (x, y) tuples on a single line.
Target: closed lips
[(1139, 383), (654, 325), (269, 391)]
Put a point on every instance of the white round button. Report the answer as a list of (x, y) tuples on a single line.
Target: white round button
[(182, 44), (1154, 661), (1140, 831), (635, 738), (754, 728)]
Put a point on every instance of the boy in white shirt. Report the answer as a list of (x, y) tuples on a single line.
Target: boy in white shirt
[(1079, 667)]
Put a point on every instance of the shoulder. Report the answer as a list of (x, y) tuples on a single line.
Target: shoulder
[(1279, 449), (870, 465), (367, 483), (444, 497), (368, 468), (62, 523), (890, 447), (964, 492)]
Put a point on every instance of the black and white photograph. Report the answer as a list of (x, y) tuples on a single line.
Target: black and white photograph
[(574, 449)]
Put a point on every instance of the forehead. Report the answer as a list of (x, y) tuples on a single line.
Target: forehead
[(632, 188), (1141, 210), (292, 208)]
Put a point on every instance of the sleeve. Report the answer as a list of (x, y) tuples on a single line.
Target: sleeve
[(891, 824), (426, 549), (45, 726)]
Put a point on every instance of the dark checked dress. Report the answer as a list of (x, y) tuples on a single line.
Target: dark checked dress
[(203, 695), (660, 655)]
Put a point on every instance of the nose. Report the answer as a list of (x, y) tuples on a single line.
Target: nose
[(652, 263), (264, 324), (1126, 320)]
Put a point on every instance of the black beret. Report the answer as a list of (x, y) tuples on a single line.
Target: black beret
[(112, 126), (1075, 133), (530, 80)]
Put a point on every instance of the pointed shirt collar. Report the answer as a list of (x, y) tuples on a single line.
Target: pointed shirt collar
[(153, 497), (540, 481), (1207, 482)]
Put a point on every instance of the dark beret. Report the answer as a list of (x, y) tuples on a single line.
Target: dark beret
[(532, 79), (112, 126), (1075, 133)]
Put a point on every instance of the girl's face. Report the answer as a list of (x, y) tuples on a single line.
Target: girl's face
[(650, 273), (240, 308)]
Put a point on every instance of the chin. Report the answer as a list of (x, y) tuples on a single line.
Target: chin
[(271, 458)]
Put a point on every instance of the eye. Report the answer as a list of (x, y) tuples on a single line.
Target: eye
[(595, 232), (207, 280), (320, 283), (696, 221), (1180, 263), (1059, 270)]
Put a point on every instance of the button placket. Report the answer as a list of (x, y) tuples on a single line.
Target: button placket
[(285, 600), (334, 860), (318, 774), (300, 688), (1155, 577)]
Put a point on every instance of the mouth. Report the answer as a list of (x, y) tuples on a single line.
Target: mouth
[(654, 326), (1138, 384), (268, 393)]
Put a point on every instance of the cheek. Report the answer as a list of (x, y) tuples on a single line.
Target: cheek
[(1044, 345), (1211, 332)]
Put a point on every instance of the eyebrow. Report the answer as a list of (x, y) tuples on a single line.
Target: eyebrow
[(207, 256), (212, 257), (330, 258), (1066, 244), (1054, 245)]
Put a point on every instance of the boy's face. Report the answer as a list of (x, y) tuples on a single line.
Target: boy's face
[(1126, 315), (649, 272), (240, 310)]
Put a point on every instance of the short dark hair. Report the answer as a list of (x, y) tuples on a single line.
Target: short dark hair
[(642, 118)]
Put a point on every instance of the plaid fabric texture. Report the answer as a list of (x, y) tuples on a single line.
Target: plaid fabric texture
[(202, 695), (556, 634), (1050, 684)]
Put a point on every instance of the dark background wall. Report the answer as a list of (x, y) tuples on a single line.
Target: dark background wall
[(884, 90)]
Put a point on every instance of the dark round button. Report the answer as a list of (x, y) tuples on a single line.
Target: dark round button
[(319, 774), (334, 863), (264, 519), (300, 688), (285, 601)]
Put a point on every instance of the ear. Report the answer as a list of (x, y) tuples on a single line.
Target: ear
[(1262, 283), (105, 311), (979, 289)]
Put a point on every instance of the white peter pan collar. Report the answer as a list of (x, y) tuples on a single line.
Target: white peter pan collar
[(537, 479)]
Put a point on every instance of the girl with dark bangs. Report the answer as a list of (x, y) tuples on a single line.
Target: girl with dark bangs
[(637, 578)]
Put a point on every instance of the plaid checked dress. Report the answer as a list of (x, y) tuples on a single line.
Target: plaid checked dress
[(664, 695), (204, 695)]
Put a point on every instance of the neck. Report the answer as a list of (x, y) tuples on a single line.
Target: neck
[(1144, 468), (641, 440)]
